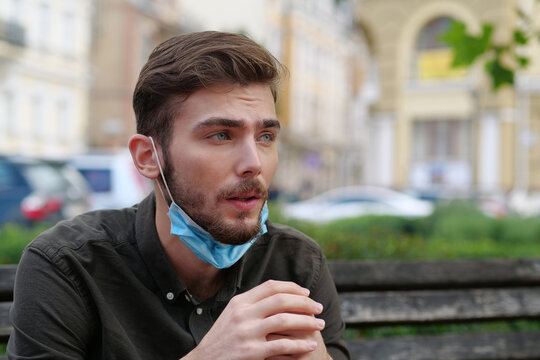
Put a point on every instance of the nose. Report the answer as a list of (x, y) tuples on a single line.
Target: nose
[(249, 161)]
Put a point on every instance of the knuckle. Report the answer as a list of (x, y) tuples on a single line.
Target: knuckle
[(248, 347), (281, 320), (235, 300), (236, 316), (281, 300), (273, 284)]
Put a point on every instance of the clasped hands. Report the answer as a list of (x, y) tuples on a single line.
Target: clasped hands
[(271, 321)]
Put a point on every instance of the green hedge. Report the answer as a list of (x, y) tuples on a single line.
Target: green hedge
[(454, 230), (13, 240)]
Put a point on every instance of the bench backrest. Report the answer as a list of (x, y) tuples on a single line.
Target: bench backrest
[(434, 292)]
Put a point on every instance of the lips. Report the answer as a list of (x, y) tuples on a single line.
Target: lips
[(246, 196), (245, 201)]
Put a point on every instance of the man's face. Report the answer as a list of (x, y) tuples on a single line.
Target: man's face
[(221, 158)]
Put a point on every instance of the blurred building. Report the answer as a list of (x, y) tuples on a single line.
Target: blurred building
[(323, 101), (44, 76), (125, 32), (434, 127)]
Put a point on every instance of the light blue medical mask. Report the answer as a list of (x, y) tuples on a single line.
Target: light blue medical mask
[(199, 240)]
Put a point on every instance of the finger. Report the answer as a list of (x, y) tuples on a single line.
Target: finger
[(288, 346), (290, 303), (288, 323), (272, 287)]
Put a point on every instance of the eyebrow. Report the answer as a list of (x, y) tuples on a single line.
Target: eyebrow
[(210, 122)]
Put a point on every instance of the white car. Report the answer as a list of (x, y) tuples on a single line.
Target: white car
[(356, 201), (113, 179)]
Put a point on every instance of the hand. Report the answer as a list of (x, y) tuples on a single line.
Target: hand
[(244, 328)]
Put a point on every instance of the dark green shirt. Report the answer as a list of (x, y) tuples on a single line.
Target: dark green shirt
[(100, 286)]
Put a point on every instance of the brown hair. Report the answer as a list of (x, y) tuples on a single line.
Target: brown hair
[(185, 63)]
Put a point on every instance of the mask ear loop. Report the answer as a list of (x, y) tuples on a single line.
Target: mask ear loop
[(162, 176)]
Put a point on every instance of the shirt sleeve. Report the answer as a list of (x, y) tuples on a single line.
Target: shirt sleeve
[(324, 291), (49, 317)]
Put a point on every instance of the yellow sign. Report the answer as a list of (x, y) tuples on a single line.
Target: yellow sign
[(437, 64)]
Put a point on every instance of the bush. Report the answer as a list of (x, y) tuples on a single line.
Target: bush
[(456, 229), (13, 240)]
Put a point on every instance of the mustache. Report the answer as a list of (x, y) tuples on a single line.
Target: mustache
[(247, 185)]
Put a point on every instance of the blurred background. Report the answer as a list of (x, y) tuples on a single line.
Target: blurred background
[(375, 120)]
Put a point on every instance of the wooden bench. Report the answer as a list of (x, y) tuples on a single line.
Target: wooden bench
[(421, 293), (381, 293), (7, 279)]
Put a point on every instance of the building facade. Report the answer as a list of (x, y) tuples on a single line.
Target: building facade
[(44, 76), (125, 32), (434, 127), (322, 103)]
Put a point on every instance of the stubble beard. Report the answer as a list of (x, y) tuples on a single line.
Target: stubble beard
[(193, 203)]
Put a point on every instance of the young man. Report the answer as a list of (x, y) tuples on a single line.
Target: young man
[(194, 271)]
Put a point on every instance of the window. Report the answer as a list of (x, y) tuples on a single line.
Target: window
[(39, 120), (14, 10), (6, 113), (13, 120), (8, 178), (43, 24), (100, 180), (441, 140), (63, 122), (68, 33), (442, 152), (432, 58)]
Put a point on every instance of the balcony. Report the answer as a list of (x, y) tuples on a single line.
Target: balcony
[(12, 32)]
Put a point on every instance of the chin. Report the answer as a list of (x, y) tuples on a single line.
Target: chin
[(238, 233)]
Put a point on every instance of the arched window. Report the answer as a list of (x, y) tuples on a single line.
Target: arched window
[(432, 58)]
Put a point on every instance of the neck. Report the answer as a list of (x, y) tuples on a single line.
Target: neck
[(201, 279)]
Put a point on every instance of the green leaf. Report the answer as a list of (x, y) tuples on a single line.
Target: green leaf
[(466, 48), (500, 74), (522, 61), (520, 38)]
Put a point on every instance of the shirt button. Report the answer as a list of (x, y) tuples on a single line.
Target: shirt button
[(199, 311), (170, 295)]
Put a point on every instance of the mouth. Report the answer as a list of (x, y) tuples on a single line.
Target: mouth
[(245, 201), (252, 195)]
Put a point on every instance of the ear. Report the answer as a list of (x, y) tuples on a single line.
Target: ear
[(143, 156)]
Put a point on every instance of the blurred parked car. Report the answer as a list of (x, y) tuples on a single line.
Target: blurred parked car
[(33, 190), (492, 204), (113, 179), (356, 201)]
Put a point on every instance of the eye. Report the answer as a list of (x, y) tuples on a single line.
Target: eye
[(220, 136), (267, 137)]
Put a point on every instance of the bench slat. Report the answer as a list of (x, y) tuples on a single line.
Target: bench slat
[(7, 280), (5, 328), (421, 306), (392, 275), (507, 345)]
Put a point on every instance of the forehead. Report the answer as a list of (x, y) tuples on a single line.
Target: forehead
[(250, 103)]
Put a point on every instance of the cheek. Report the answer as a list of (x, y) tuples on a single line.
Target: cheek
[(270, 167), (203, 171)]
